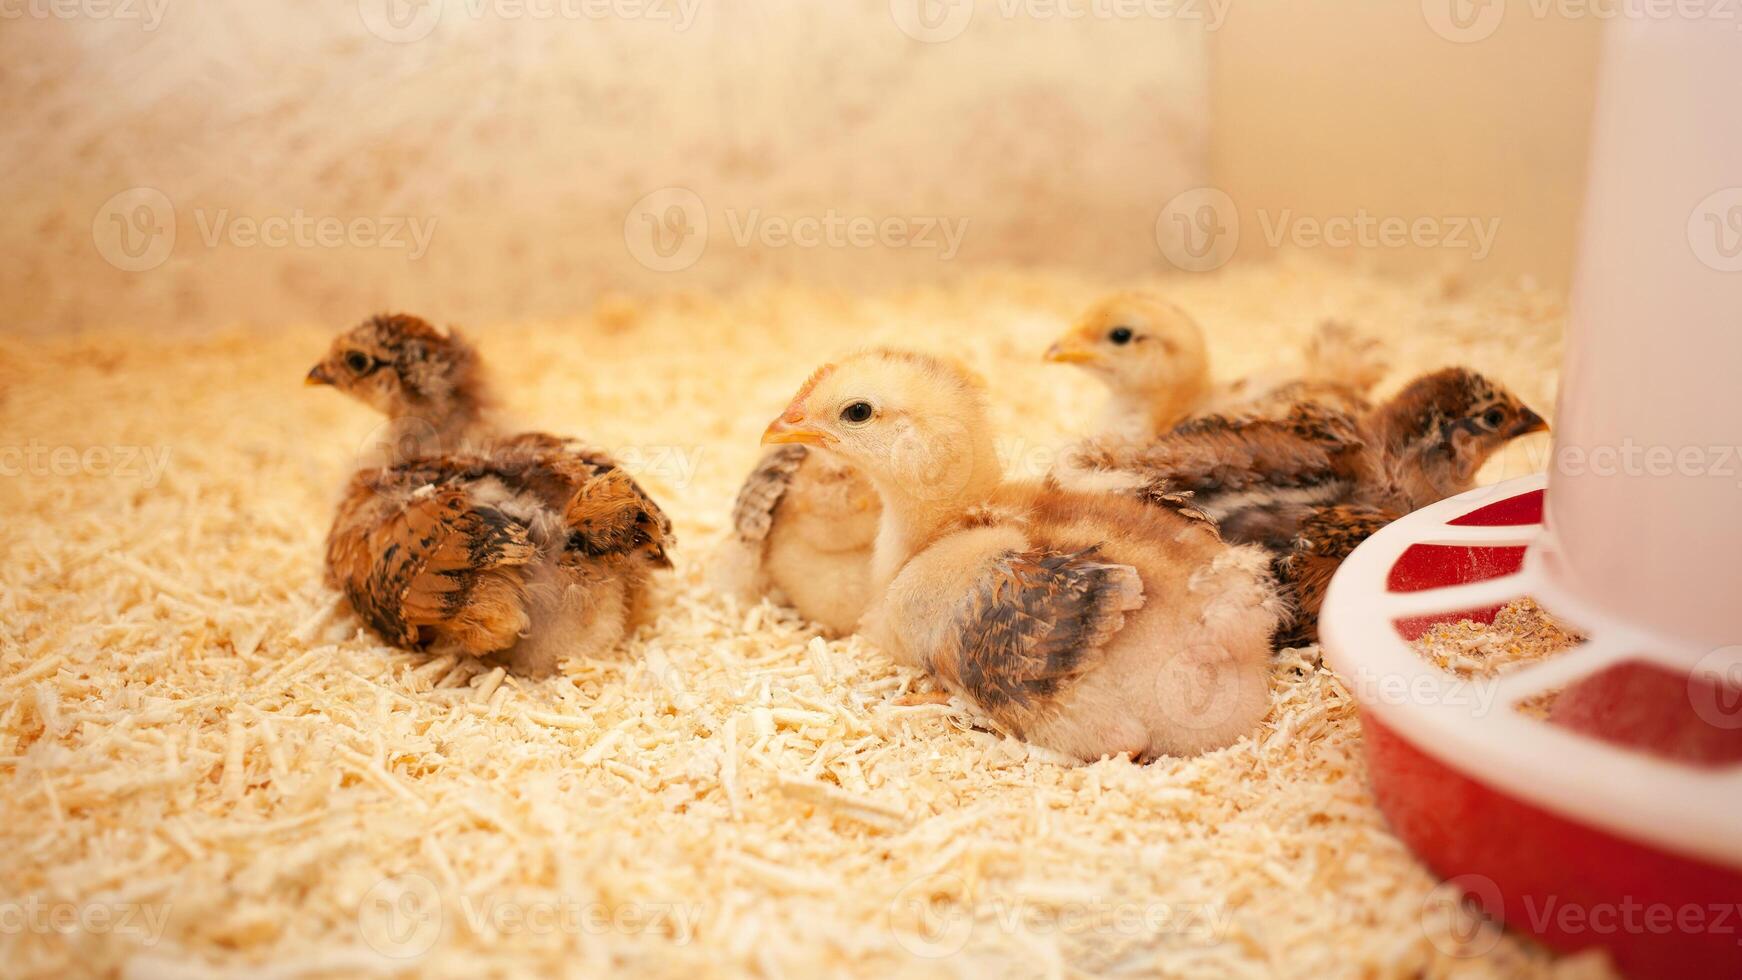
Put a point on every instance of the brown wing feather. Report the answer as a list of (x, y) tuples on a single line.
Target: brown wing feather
[(1308, 445), (607, 511), (1326, 537), (1034, 623), (763, 489), (439, 564)]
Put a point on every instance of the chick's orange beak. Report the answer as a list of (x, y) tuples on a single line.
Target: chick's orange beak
[(791, 428), (1065, 352), (318, 375), (1529, 422)]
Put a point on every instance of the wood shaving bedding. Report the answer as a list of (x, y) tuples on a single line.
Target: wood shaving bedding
[(195, 736)]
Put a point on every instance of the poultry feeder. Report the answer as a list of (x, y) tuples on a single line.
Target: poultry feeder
[(1617, 820)]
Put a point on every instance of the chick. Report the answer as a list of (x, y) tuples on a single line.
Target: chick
[(428, 382), (527, 546), (803, 527), (1152, 357), (1312, 484), (1093, 624)]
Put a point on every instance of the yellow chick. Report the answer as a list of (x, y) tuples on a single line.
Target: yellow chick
[(1093, 624), (1152, 357), (802, 531)]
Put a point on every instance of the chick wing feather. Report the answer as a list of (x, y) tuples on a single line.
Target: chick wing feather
[(1035, 621), (608, 512), (439, 562), (763, 489), (1327, 536)]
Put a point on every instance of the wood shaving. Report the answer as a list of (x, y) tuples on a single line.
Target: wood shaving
[(191, 723)]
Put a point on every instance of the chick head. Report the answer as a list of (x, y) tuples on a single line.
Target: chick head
[(401, 366), (1137, 344), (913, 423), (1449, 423)]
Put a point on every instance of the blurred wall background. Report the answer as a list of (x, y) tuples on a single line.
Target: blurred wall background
[(196, 163), (1411, 111), (518, 136)]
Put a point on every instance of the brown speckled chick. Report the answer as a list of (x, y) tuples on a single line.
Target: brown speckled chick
[(1093, 624), (1312, 483), (528, 547)]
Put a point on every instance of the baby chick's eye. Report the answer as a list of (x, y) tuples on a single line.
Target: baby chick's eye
[(857, 413), (1120, 335), (359, 362), (1493, 418)]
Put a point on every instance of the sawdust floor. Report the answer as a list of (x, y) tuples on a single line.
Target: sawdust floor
[(209, 770)]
